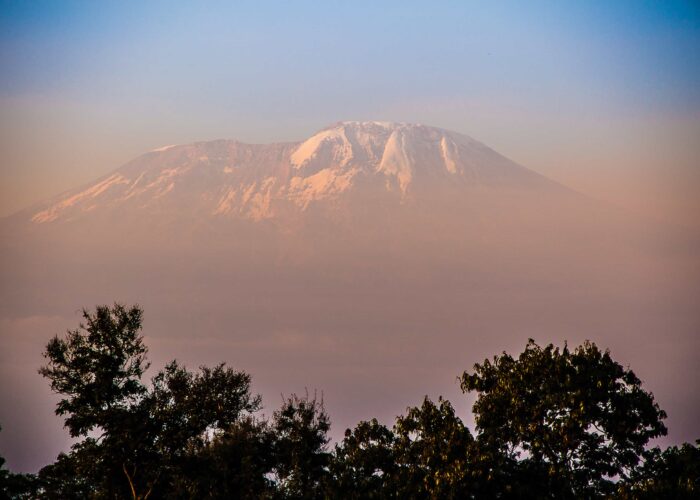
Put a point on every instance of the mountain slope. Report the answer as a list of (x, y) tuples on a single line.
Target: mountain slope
[(391, 161)]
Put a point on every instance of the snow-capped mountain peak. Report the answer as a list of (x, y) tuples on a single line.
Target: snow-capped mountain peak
[(229, 178)]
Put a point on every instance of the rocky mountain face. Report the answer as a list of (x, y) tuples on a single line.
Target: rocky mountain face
[(397, 162)]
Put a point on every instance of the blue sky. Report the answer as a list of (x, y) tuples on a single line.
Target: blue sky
[(569, 89)]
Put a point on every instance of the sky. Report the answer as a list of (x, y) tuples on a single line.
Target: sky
[(602, 96)]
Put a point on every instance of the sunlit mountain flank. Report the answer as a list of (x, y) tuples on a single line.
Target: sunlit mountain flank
[(397, 161)]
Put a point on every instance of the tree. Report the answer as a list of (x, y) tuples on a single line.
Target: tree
[(146, 436), (364, 465), (671, 473), (98, 368), (432, 450), (551, 423), (78, 474), (183, 410), (579, 416), (236, 463), (429, 453), (301, 428)]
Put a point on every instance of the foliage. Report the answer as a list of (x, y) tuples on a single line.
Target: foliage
[(78, 474), (550, 424), (432, 448), (364, 465), (237, 463), (671, 473), (97, 368), (579, 414), (146, 434), (301, 428)]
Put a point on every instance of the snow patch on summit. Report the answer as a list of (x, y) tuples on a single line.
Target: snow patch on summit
[(396, 161), (447, 148), (332, 142)]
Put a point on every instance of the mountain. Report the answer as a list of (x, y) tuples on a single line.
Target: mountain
[(396, 162), (374, 261)]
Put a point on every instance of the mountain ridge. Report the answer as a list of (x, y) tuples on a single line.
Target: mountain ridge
[(230, 178)]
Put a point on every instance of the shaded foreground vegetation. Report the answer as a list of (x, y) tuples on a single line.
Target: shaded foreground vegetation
[(551, 423)]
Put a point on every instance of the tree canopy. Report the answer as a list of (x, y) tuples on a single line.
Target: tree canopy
[(550, 423), (578, 415), (146, 434)]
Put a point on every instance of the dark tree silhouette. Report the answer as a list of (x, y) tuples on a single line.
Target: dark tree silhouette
[(98, 368), (364, 465), (236, 463), (145, 434), (671, 473), (577, 414), (301, 428), (432, 448), (551, 423)]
